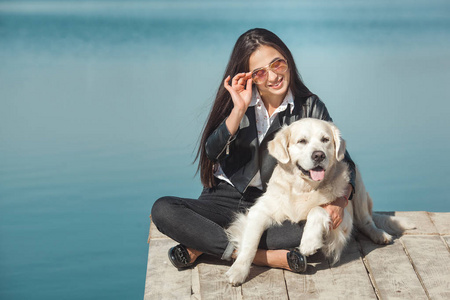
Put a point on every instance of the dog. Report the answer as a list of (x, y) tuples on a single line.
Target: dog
[(310, 173)]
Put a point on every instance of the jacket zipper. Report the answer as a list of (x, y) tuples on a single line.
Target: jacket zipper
[(227, 147)]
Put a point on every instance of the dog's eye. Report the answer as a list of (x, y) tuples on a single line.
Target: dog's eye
[(302, 141), (325, 140)]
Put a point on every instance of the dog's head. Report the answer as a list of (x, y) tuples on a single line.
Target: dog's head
[(311, 145)]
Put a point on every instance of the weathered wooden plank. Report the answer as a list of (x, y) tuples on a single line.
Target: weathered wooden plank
[(163, 280), (351, 275), (346, 280), (442, 222), (264, 283), (422, 220), (213, 282), (431, 259), (392, 272)]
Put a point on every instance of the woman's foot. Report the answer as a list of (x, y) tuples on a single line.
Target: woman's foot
[(182, 257), (292, 260), (193, 254)]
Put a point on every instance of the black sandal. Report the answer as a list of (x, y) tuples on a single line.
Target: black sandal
[(179, 257), (297, 261)]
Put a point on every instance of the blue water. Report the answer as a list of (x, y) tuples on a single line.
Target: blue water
[(102, 103)]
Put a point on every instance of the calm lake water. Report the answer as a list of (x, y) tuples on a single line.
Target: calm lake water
[(102, 103)]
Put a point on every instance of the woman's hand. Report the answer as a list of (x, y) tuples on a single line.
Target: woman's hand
[(241, 95), (336, 211), (240, 90), (336, 208)]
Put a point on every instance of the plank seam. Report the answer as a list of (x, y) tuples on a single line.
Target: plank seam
[(368, 269), (432, 222), (286, 285), (420, 233), (445, 243), (414, 267), (241, 293)]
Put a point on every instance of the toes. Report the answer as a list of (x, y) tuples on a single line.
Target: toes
[(383, 238)]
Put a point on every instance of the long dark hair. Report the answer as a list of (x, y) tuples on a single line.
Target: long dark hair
[(246, 44)]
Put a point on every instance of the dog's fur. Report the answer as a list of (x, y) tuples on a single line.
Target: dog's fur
[(310, 172)]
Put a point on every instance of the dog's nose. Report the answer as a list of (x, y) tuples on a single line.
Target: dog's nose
[(318, 156)]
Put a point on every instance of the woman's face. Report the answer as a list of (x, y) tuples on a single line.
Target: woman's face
[(276, 84)]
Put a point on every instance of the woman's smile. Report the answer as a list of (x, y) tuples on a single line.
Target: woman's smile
[(277, 84)]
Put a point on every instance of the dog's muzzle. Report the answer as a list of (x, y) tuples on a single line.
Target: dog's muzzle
[(316, 174)]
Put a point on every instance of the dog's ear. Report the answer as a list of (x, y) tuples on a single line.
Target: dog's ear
[(278, 146), (339, 143)]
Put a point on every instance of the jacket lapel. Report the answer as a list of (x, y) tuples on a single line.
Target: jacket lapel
[(275, 126), (248, 124), (284, 117), (267, 162)]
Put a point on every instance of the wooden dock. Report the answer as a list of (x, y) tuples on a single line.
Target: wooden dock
[(415, 266)]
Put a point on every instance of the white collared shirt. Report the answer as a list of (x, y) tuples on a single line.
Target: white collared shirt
[(263, 122)]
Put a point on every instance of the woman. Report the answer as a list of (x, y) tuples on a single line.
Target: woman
[(265, 93)]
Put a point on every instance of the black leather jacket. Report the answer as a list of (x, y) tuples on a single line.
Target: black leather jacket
[(241, 155)]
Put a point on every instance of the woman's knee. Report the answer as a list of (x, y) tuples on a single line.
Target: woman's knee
[(162, 210)]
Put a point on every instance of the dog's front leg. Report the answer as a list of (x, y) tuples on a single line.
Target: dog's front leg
[(257, 222), (317, 223)]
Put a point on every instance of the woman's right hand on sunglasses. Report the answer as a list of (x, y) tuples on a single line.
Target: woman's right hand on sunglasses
[(241, 95), (240, 90)]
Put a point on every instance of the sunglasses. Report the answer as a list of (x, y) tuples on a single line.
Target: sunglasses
[(278, 66)]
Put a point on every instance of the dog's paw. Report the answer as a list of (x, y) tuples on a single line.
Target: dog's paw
[(310, 247), (382, 238), (237, 274)]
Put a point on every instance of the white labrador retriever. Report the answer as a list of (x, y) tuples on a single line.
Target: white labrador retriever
[(310, 173)]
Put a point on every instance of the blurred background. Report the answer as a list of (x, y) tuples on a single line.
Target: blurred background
[(102, 104)]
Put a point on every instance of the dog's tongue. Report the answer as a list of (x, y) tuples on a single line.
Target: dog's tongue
[(317, 174)]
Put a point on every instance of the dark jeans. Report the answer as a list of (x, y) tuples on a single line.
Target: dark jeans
[(198, 223)]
